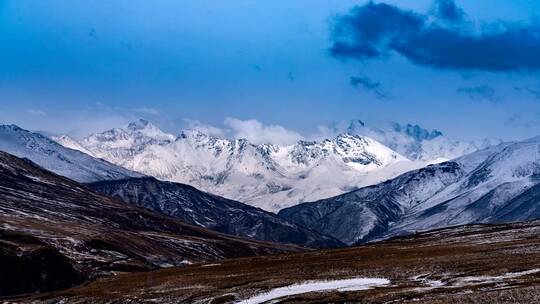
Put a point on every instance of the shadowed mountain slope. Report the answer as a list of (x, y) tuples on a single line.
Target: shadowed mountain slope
[(56, 233), (211, 211)]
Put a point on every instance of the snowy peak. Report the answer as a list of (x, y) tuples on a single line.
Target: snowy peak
[(49, 154), (121, 144), (196, 136), (138, 132), (360, 152), (365, 150), (139, 125), (143, 128)]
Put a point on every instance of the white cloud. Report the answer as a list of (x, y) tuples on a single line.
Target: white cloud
[(324, 132), (258, 133), (36, 112), (194, 124)]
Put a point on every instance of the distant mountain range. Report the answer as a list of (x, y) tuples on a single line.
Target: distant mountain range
[(268, 176), (498, 184), (52, 156)]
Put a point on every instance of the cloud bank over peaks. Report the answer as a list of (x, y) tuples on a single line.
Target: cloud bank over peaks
[(259, 133), (197, 125), (253, 130)]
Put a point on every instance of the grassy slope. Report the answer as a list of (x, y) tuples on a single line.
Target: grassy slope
[(448, 255)]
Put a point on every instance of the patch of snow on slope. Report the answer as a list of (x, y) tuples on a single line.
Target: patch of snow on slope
[(472, 280), (317, 286)]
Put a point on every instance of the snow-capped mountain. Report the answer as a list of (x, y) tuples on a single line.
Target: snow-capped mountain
[(268, 176), (59, 159), (497, 184), (415, 142), (70, 143)]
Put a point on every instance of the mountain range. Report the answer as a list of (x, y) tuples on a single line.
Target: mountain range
[(56, 233), (52, 156), (497, 184), (268, 176), (476, 187), (177, 200), (76, 211)]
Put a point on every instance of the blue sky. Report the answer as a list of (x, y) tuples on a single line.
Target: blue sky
[(82, 66)]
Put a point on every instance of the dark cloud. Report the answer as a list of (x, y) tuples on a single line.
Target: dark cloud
[(374, 30), (479, 93), (361, 33), (449, 11), (369, 85)]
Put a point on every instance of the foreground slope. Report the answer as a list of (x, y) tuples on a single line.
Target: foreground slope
[(55, 233), (210, 211), (498, 184), (54, 157), (267, 176), (464, 264)]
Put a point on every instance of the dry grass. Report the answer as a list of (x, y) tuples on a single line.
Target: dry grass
[(468, 254)]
